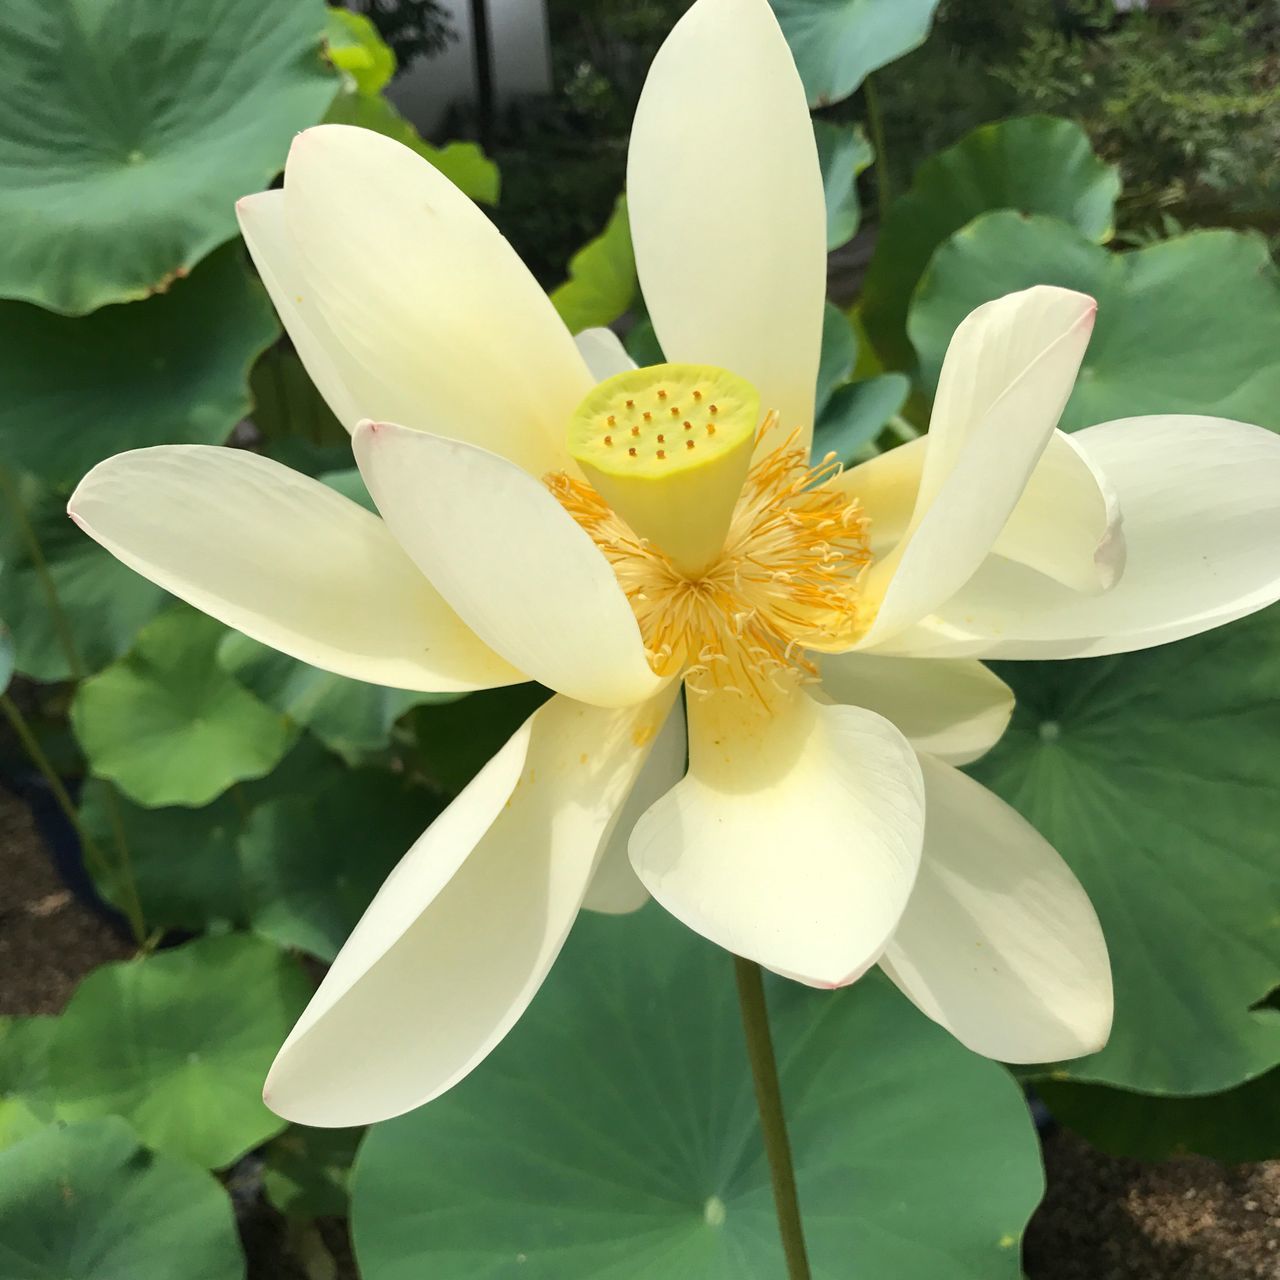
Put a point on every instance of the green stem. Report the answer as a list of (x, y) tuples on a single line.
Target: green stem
[(875, 121), (133, 900), (61, 624), (66, 638), (773, 1124), (35, 752)]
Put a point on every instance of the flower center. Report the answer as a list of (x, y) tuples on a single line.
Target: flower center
[(735, 599), (668, 447)]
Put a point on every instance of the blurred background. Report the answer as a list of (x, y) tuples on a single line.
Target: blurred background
[(169, 898)]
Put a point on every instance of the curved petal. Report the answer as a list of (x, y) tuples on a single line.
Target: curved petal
[(462, 934), (1008, 373), (604, 353), (886, 488), (615, 888), (1067, 524), (347, 387), (510, 560), (999, 942), (1202, 528), (956, 710), (795, 836), (284, 559), (727, 210), (422, 290)]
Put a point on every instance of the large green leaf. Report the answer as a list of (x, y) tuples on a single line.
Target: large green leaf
[(103, 603), (348, 716), (602, 280), (173, 370), (843, 152), (312, 862), (1242, 1124), (1190, 325), (178, 1043), (88, 1202), (185, 863), (129, 128), (26, 1104), (168, 725), (1034, 164), (614, 1134), (837, 44), (856, 414), (1157, 777)]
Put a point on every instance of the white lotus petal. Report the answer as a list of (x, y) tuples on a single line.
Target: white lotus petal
[(1008, 373), (347, 387), (604, 353), (794, 838), (510, 560), (1202, 528), (956, 710), (615, 888), (727, 210), (1067, 524), (284, 559), (462, 934), (422, 290), (999, 942), (886, 488)]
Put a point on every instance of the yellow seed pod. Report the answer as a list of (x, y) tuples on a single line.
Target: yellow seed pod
[(668, 447)]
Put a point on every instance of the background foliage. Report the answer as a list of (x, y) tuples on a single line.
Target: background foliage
[(237, 809)]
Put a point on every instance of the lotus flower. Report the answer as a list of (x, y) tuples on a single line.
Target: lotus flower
[(550, 513)]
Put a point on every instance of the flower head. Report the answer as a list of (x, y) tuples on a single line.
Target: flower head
[(802, 806)]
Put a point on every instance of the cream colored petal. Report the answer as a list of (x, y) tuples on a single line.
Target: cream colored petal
[(615, 888), (1202, 527), (1067, 524), (284, 559), (1008, 373), (999, 942), (423, 291), (727, 210), (794, 838), (604, 353), (886, 488), (510, 560), (348, 389), (956, 710), (462, 934)]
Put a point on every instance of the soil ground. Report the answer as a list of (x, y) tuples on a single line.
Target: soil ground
[(1103, 1218)]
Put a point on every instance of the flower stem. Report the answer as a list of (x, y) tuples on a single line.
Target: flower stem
[(61, 625), (35, 753), (66, 638), (875, 122), (773, 1124)]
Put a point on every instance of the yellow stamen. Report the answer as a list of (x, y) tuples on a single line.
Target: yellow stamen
[(786, 580)]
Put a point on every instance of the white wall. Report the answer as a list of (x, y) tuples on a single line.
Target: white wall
[(521, 48)]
